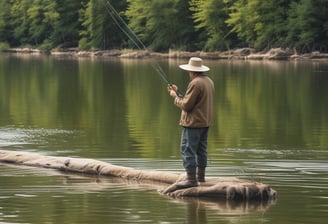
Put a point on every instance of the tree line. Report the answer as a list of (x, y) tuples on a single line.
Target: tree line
[(166, 24)]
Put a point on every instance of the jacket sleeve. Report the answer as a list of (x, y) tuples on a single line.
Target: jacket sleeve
[(188, 102)]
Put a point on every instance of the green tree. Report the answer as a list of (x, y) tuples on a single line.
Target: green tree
[(166, 24), (210, 15), (239, 21), (308, 25), (67, 24), (36, 22), (19, 21), (5, 28), (41, 16), (271, 28), (98, 28), (260, 23), (162, 24)]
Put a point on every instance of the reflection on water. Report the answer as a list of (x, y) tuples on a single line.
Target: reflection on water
[(21, 136), (296, 181), (122, 109), (271, 126), (43, 189)]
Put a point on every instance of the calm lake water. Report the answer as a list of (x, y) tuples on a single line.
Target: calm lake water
[(271, 125)]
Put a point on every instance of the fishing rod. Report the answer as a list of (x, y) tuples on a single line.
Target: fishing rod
[(119, 21)]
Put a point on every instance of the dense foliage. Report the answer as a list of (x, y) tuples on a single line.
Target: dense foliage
[(166, 24)]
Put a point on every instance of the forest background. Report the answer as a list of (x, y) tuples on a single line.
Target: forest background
[(207, 25)]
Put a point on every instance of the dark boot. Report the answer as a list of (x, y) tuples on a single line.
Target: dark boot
[(201, 174), (190, 182)]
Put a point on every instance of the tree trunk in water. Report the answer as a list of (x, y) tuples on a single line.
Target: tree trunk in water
[(228, 188)]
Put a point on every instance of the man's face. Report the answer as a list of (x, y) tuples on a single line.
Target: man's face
[(192, 74)]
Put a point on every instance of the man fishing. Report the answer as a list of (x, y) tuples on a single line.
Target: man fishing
[(196, 106), (196, 117)]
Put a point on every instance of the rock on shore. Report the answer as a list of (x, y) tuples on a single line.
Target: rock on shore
[(239, 54)]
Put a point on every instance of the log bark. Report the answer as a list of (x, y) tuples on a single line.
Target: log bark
[(228, 188)]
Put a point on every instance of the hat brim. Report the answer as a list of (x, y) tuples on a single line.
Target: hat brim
[(190, 68)]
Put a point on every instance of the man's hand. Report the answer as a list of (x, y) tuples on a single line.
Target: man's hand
[(172, 89)]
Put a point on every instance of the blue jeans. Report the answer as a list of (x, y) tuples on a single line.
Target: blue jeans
[(193, 148)]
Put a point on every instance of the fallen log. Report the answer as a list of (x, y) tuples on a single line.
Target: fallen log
[(229, 188)]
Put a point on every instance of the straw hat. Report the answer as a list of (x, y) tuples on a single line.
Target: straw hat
[(195, 65)]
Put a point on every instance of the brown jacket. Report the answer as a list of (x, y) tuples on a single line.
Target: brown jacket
[(197, 104)]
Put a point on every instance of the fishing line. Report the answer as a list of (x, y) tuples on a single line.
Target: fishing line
[(119, 21)]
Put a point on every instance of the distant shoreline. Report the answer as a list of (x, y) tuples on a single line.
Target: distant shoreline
[(238, 54)]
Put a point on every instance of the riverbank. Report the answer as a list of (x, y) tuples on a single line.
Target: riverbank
[(238, 54)]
